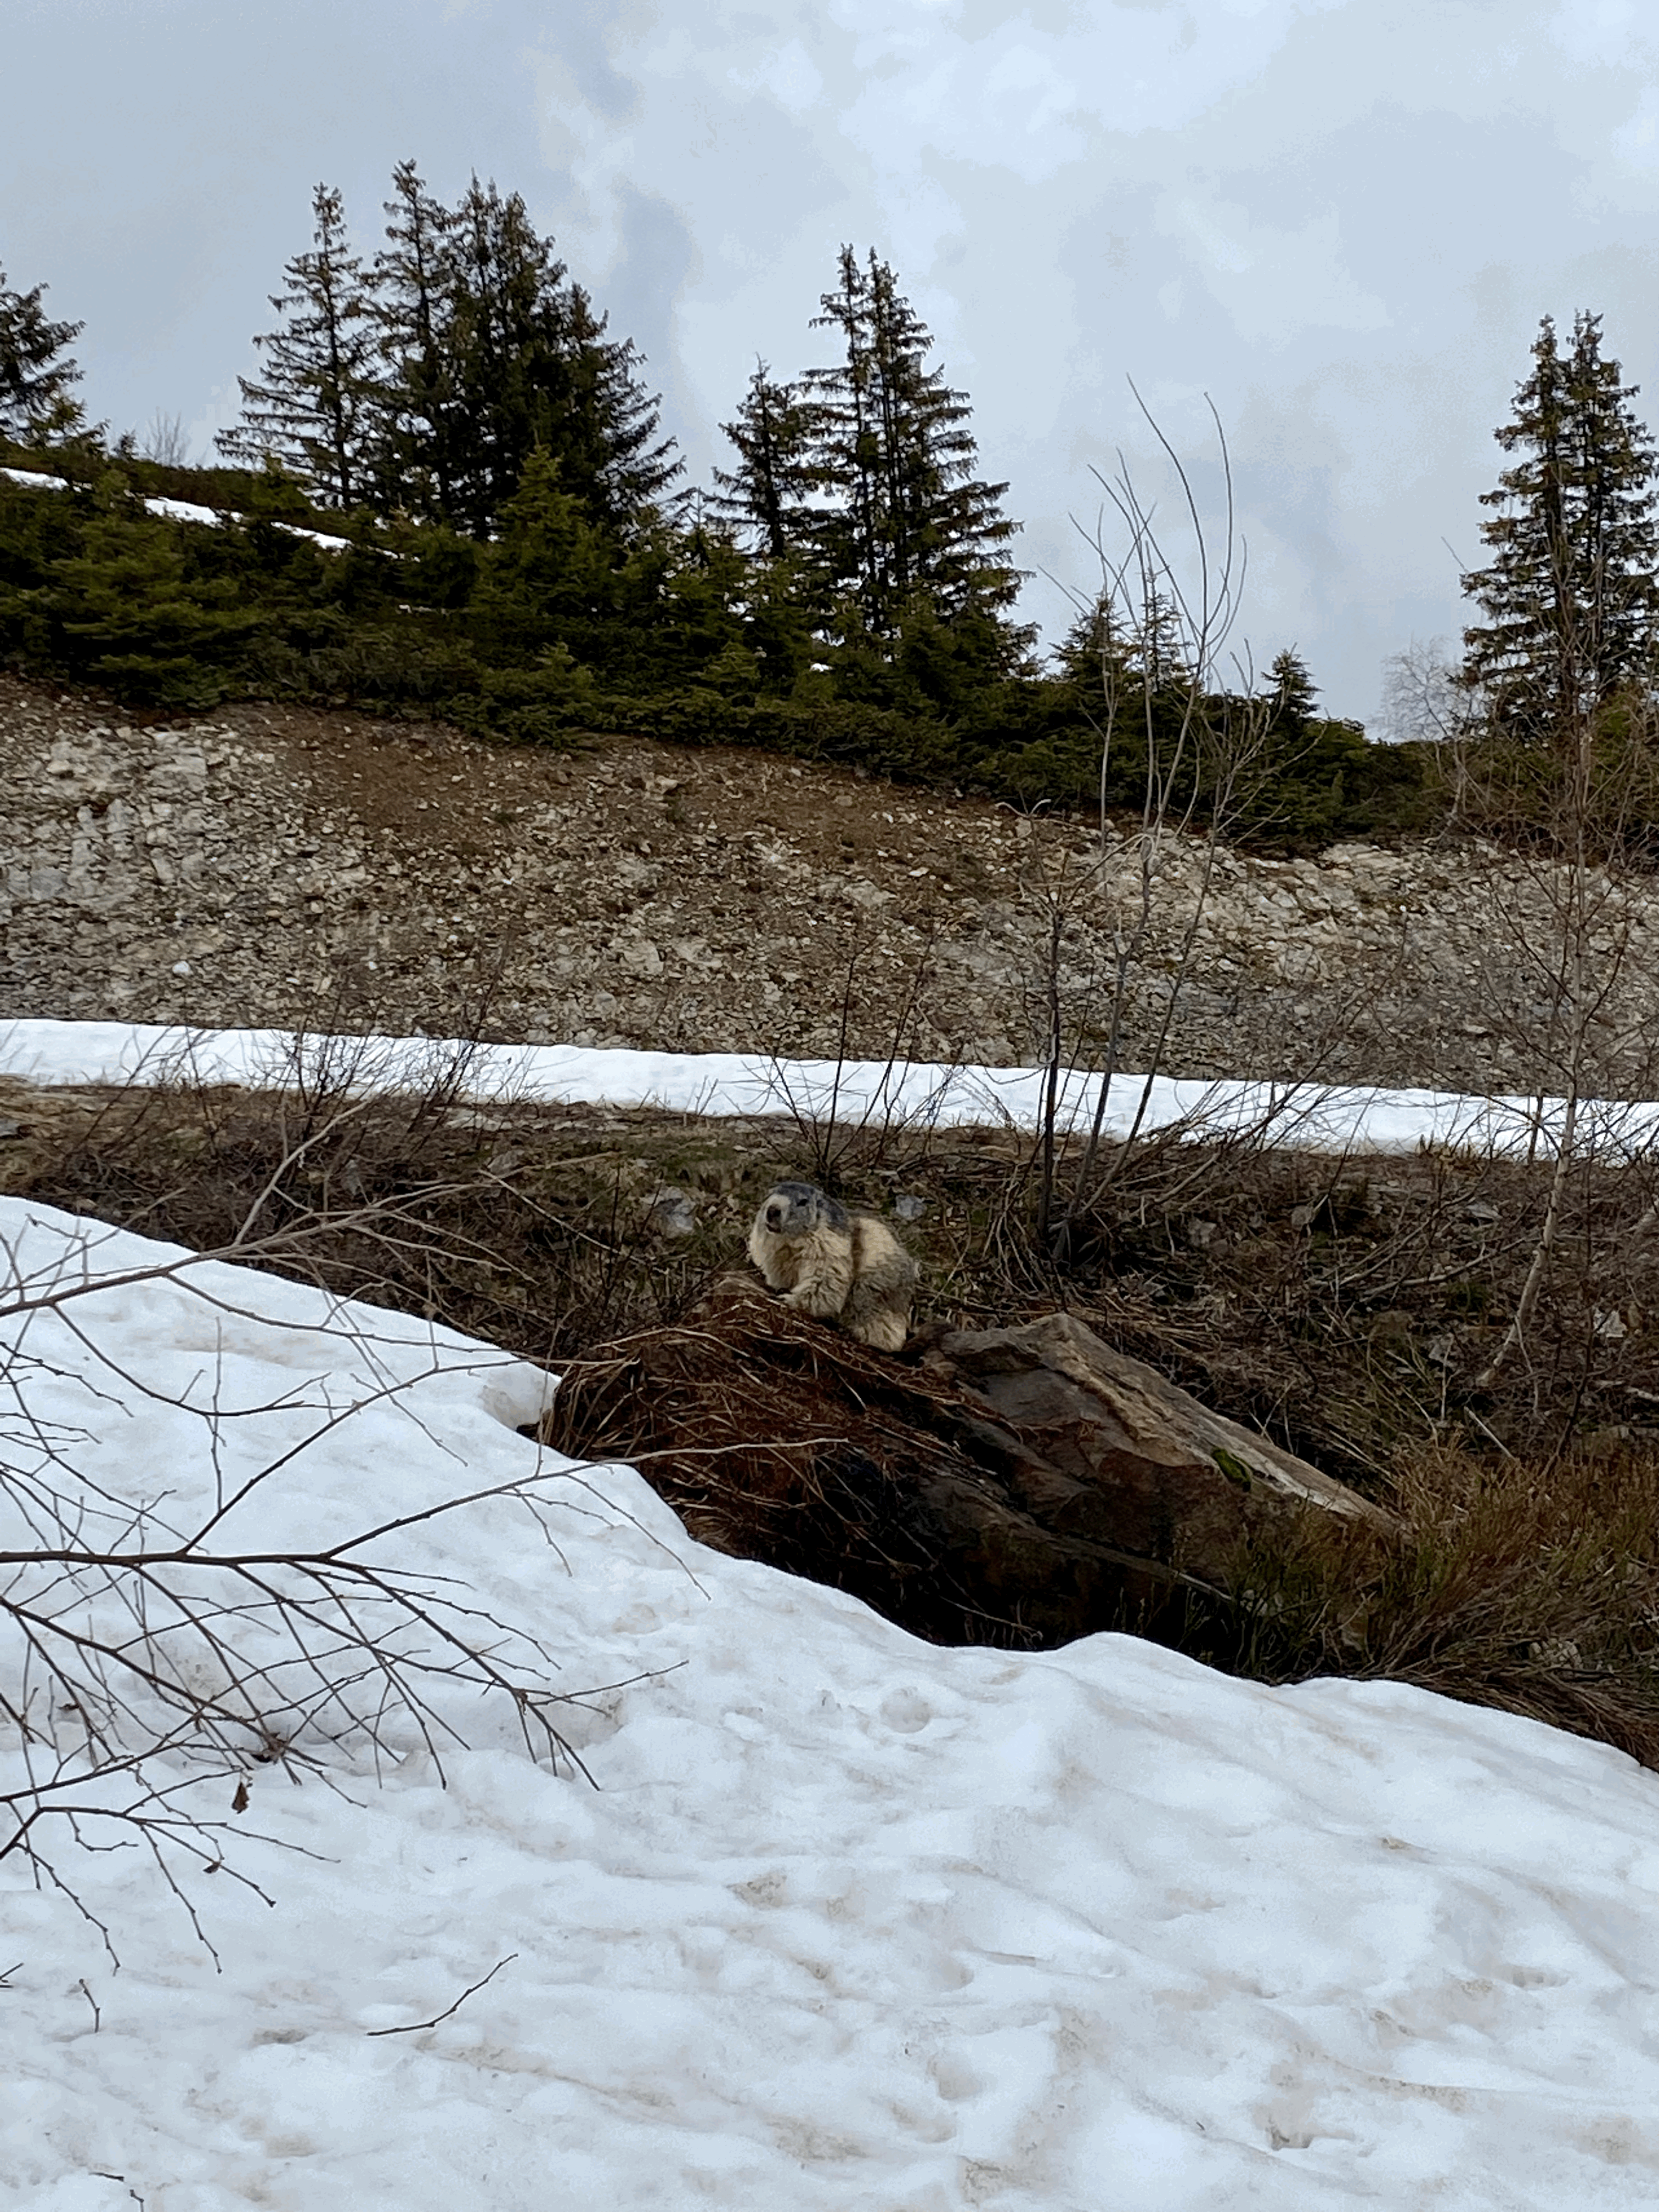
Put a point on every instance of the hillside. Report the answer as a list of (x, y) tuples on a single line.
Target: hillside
[(273, 865)]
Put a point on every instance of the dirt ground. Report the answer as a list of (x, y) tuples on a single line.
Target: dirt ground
[(271, 866)]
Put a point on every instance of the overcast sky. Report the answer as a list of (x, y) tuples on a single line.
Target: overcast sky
[(1341, 219)]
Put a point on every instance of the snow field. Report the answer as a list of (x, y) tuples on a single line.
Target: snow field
[(1312, 1117), (849, 1922)]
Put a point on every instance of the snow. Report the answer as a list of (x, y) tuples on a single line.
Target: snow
[(184, 510), (848, 1922), (1308, 1116), (179, 510)]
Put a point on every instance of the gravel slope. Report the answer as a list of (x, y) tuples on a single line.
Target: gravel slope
[(265, 867)]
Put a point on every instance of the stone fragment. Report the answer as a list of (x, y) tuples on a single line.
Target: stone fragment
[(672, 1213)]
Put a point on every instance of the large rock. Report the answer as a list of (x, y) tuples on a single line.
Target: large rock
[(1121, 1455), (1019, 1486)]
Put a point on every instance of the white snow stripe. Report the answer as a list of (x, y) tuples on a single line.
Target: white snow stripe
[(183, 510), (1303, 1116)]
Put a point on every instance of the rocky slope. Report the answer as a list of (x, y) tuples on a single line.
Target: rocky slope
[(268, 865)]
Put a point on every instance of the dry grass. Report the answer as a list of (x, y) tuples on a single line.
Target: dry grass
[(1348, 1308), (1344, 1307), (537, 1230), (1527, 1586)]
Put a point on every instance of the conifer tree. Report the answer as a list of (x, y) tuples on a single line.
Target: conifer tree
[(767, 496), (891, 447), (533, 368), (1570, 599), (547, 577), (36, 369), (503, 286), (413, 303), (608, 442), (315, 413), (1292, 695)]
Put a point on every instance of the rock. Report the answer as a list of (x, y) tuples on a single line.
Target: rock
[(671, 1213), (1154, 1472), (1366, 968), (639, 956), (1063, 1490)]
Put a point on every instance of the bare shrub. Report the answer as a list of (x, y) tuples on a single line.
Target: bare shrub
[(372, 1173), (149, 1646), (1563, 887), (857, 1116), (167, 440), (1160, 630)]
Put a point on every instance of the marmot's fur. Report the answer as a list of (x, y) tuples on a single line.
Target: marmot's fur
[(844, 1267)]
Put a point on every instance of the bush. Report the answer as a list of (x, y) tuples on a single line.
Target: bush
[(555, 632), (1528, 1585)]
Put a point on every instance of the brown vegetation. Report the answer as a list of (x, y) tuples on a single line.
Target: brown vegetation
[(1345, 1308), (1526, 1585)]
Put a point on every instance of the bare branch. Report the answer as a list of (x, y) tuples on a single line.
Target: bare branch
[(418, 2026)]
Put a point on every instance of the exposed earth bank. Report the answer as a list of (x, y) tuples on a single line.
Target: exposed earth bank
[(267, 865)]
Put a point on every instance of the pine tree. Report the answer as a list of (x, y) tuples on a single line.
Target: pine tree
[(546, 577), (136, 614), (767, 495), (1571, 596), (413, 305), (36, 369), (316, 412), (607, 438), (892, 448), (533, 368), (503, 286), (1294, 694)]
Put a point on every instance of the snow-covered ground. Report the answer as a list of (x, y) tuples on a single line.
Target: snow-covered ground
[(842, 1921), (1312, 1116)]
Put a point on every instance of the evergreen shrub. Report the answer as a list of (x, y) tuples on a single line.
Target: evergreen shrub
[(411, 619)]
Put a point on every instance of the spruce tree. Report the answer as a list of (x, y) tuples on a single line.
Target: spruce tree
[(766, 497), (1570, 599), (503, 286), (36, 370), (533, 368), (135, 612), (608, 438), (890, 447), (547, 577), (1293, 692), (316, 411), (413, 305)]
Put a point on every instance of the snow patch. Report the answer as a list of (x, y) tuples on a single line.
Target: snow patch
[(1306, 1116), (850, 1924)]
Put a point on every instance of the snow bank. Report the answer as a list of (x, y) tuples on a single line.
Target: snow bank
[(1308, 1116), (849, 1923)]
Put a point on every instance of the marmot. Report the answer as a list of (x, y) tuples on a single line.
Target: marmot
[(844, 1267)]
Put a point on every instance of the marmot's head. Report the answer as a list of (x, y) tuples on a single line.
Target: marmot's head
[(795, 1209)]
